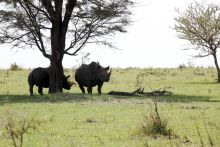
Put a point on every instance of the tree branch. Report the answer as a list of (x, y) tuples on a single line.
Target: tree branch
[(50, 10), (36, 31), (69, 9), (41, 10)]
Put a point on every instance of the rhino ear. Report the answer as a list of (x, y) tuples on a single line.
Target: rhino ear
[(107, 68), (98, 67)]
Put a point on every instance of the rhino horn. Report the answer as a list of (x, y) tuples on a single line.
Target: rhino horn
[(110, 73), (72, 83)]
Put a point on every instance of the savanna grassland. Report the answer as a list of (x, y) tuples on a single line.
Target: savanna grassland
[(192, 112)]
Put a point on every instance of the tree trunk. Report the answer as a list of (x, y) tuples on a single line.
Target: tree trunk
[(56, 75), (56, 67), (58, 38), (217, 66)]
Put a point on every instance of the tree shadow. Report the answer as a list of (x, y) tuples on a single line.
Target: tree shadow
[(187, 98), (203, 83), (78, 97), (47, 98), (173, 98)]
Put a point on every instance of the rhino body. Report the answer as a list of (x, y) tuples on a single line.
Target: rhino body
[(90, 75), (40, 77)]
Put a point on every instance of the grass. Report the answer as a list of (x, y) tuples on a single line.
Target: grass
[(73, 119)]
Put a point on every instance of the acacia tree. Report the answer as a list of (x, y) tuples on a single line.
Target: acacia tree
[(59, 27), (200, 25)]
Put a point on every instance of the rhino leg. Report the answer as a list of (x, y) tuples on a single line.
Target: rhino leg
[(31, 90), (82, 88), (100, 88), (89, 89), (40, 90)]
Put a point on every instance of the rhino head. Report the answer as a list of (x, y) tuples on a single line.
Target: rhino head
[(103, 74), (67, 84)]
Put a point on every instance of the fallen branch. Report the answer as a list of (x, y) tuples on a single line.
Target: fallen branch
[(137, 92), (158, 92), (140, 92)]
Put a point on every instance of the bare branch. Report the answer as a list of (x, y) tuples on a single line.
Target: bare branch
[(69, 9), (41, 10), (50, 10)]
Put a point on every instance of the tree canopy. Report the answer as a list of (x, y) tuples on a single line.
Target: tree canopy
[(29, 22), (200, 25)]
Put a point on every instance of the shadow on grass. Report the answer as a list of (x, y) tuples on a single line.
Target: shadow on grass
[(203, 83), (187, 98), (78, 97), (56, 98), (174, 98)]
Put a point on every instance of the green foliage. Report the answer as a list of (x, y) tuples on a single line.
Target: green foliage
[(199, 24)]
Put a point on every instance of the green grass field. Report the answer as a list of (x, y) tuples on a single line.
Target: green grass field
[(74, 119)]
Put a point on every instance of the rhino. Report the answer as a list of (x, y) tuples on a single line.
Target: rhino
[(90, 75), (40, 77)]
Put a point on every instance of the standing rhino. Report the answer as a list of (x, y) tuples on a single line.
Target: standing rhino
[(92, 75), (40, 77)]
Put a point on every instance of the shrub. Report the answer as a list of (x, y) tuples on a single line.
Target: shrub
[(16, 126), (15, 67), (182, 66), (154, 125)]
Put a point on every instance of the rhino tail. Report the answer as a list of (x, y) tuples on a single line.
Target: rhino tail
[(30, 79), (31, 84)]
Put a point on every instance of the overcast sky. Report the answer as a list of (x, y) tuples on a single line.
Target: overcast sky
[(150, 42)]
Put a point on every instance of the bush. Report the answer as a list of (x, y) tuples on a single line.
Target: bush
[(15, 67), (153, 125), (182, 66)]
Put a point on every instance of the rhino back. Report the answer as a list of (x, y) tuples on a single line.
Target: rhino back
[(83, 75)]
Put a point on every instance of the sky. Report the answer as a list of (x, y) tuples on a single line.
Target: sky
[(149, 42)]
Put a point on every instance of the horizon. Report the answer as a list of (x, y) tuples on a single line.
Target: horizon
[(181, 66)]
